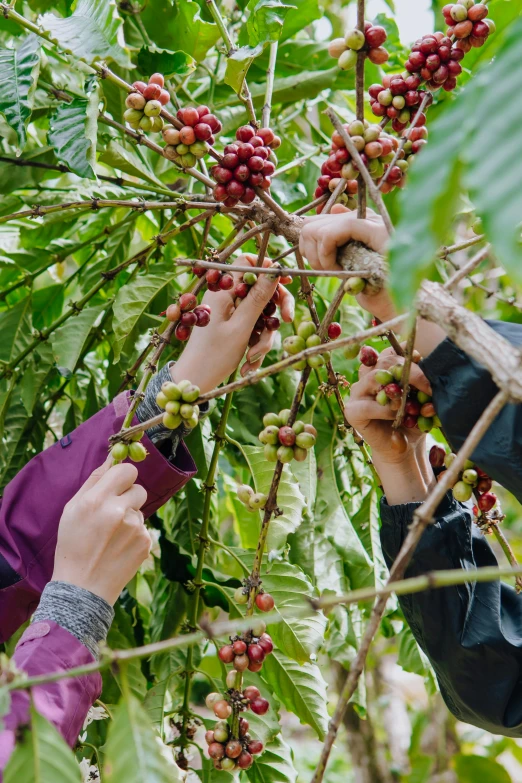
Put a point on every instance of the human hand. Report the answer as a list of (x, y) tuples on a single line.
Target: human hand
[(406, 476), (213, 353), (102, 539), (323, 235)]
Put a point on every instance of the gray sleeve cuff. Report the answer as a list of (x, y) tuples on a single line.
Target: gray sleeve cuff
[(84, 614), (149, 408)]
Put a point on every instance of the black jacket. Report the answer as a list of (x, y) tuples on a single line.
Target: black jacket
[(471, 633)]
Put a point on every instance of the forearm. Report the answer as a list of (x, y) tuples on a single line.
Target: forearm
[(408, 481)]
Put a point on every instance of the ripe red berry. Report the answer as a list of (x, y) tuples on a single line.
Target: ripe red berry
[(393, 391), (230, 160), (256, 180), (267, 135), (235, 189), (374, 91), (255, 163), (257, 141), (157, 78), (202, 131), (139, 86), (368, 356), (241, 290), (202, 316), (484, 484), (265, 602), (248, 196), (245, 133), (287, 437), (188, 301), (485, 503), (241, 172), (243, 727), (190, 116), (437, 454), (375, 36), (226, 282), (239, 647), (253, 666), (255, 747), (272, 324), (182, 332), (221, 174), (152, 92), (189, 319), (244, 152), (251, 692), (413, 408), (268, 169), (164, 97), (260, 706), (256, 653), (334, 330), (220, 193), (410, 422), (417, 60), (216, 750), (233, 749), (245, 760), (265, 641), (226, 653), (429, 44), (212, 121)]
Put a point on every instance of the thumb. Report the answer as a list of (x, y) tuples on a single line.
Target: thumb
[(337, 209), (95, 476), (257, 299)]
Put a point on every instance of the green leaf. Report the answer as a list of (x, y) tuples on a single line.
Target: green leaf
[(164, 61), (154, 702), (91, 33), (18, 75), (303, 13), (238, 64), (72, 134), (289, 497), (301, 689), (275, 765), (41, 756), (134, 299), (411, 657), (15, 328), (471, 769), (191, 33), (69, 340), (128, 161), (332, 518), (134, 752), (265, 23)]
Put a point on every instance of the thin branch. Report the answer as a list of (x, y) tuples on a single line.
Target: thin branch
[(359, 100), (286, 271), (270, 75), (468, 267), (297, 162), (405, 379)]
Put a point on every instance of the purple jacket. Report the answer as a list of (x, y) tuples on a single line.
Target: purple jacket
[(30, 511)]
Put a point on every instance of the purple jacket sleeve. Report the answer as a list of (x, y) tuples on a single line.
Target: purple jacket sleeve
[(44, 648), (33, 503)]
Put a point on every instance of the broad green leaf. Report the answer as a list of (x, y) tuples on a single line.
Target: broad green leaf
[(303, 13), (41, 756), (301, 689), (328, 566), (154, 702), (164, 61), (266, 20), (72, 134), (332, 518), (34, 375), (134, 752), (289, 497), (299, 639), (128, 161), (18, 75), (274, 765), (471, 769), (418, 233), (191, 33), (47, 305), (69, 340), (264, 727), (133, 300), (411, 657), (15, 328), (91, 33), (238, 64), (306, 475)]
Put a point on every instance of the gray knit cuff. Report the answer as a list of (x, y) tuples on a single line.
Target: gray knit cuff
[(149, 408), (84, 614)]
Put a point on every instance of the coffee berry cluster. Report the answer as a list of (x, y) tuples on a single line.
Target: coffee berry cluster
[(471, 480), (371, 42), (192, 141), (285, 443), (134, 451), (187, 313), (398, 99), (419, 411), (245, 165), (306, 337), (248, 651), (145, 103), (377, 150), (227, 751), (253, 501), (177, 400), (468, 24)]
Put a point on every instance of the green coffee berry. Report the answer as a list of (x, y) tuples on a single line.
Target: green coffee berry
[(120, 451), (244, 493), (186, 411), (270, 435), (257, 501), (462, 491), (423, 397), (272, 419), (316, 362), (137, 452), (382, 398), (270, 453), (347, 60), (383, 377), (241, 598), (190, 393), (299, 366), (171, 420), (285, 454), (300, 454), (171, 390), (294, 345), (306, 329), (470, 476), (351, 352), (250, 278), (305, 440), (298, 427), (425, 424), (284, 416), (354, 286), (173, 406), (313, 340)]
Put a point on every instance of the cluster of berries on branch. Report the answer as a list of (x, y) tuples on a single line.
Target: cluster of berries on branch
[(248, 651), (468, 24), (245, 165), (228, 752), (134, 451), (187, 313), (268, 319), (398, 98), (283, 442), (253, 501), (471, 481), (192, 141), (145, 103), (371, 42), (177, 400), (306, 337), (216, 279)]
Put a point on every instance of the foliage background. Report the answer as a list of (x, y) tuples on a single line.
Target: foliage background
[(397, 729)]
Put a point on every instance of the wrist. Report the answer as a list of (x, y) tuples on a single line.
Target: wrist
[(404, 480)]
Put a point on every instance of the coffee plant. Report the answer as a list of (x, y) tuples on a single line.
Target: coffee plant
[(144, 148)]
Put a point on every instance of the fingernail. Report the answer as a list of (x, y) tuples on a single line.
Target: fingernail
[(255, 358)]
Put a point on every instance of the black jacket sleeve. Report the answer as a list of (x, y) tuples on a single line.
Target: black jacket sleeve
[(462, 389), (472, 634)]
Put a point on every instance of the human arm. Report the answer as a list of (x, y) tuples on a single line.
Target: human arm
[(102, 541), (472, 634)]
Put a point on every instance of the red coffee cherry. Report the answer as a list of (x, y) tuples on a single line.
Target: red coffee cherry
[(251, 692), (260, 706), (233, 749), (368, 356), (256, 653), (334, 330), (265, 641), (245, 760), (226, 653), (182, 332), (187, 302), (239, 647), (487, 501), (437, 455), (157, 78), (255, 747), (264, 602)]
